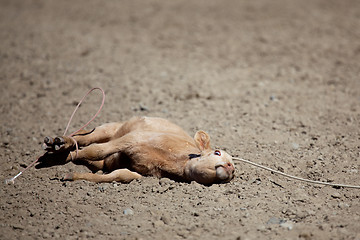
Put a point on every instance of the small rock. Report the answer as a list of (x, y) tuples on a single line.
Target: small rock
[(165, 181), (272, 98), (196, 214), (257, 181), (295, 146), (288, 225), (17, 226), (343, 205), (158, 223), (128, 211), (275, 220), (300, 195), (166, 219), (182, 233), (335, 195), (143, 107), (261, 228), (46, 235), (354, 171)]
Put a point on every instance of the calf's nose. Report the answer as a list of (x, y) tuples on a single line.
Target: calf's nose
[(231, 167)]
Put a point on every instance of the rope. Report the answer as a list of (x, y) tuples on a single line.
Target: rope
[(11, 180), (294, 177), (96, 114)]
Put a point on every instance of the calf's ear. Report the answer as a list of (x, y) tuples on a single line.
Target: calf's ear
[(202, 140)]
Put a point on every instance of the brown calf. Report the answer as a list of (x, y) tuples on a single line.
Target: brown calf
[(142, 146)]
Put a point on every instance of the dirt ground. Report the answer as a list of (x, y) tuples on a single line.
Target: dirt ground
[(275, 82)]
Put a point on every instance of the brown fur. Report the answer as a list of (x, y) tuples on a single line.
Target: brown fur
[(142, 146)]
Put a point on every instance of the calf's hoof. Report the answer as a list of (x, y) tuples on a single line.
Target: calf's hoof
[(58, 144), (68, 177)]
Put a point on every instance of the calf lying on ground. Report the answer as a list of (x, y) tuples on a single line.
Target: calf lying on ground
[(142, 146)]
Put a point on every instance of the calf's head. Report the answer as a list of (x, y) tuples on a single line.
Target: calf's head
[(212, 166)]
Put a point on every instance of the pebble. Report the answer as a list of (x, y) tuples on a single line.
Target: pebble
[(46, 235), (288, 225), (343, 205), (295, 146), (261, 228), (300, 195), (128, 211), (282, 222), (166, 219), (354, 171), (195, 214), (143, 107), (158, 223), (17, 226), (272, 98), (275, 220), (165, 181), (335, 195)]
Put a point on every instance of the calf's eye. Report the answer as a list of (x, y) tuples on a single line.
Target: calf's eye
[(217, 152)]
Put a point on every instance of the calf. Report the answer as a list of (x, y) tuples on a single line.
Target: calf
[(142, 146)]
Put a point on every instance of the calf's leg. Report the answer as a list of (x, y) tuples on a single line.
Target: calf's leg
[(101, 134), (92, 156), (95, 152), (119, 175)]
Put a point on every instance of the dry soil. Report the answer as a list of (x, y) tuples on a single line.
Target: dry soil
[(276, 82)]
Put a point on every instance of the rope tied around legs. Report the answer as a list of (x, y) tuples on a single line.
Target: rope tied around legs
[(11, 180)]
